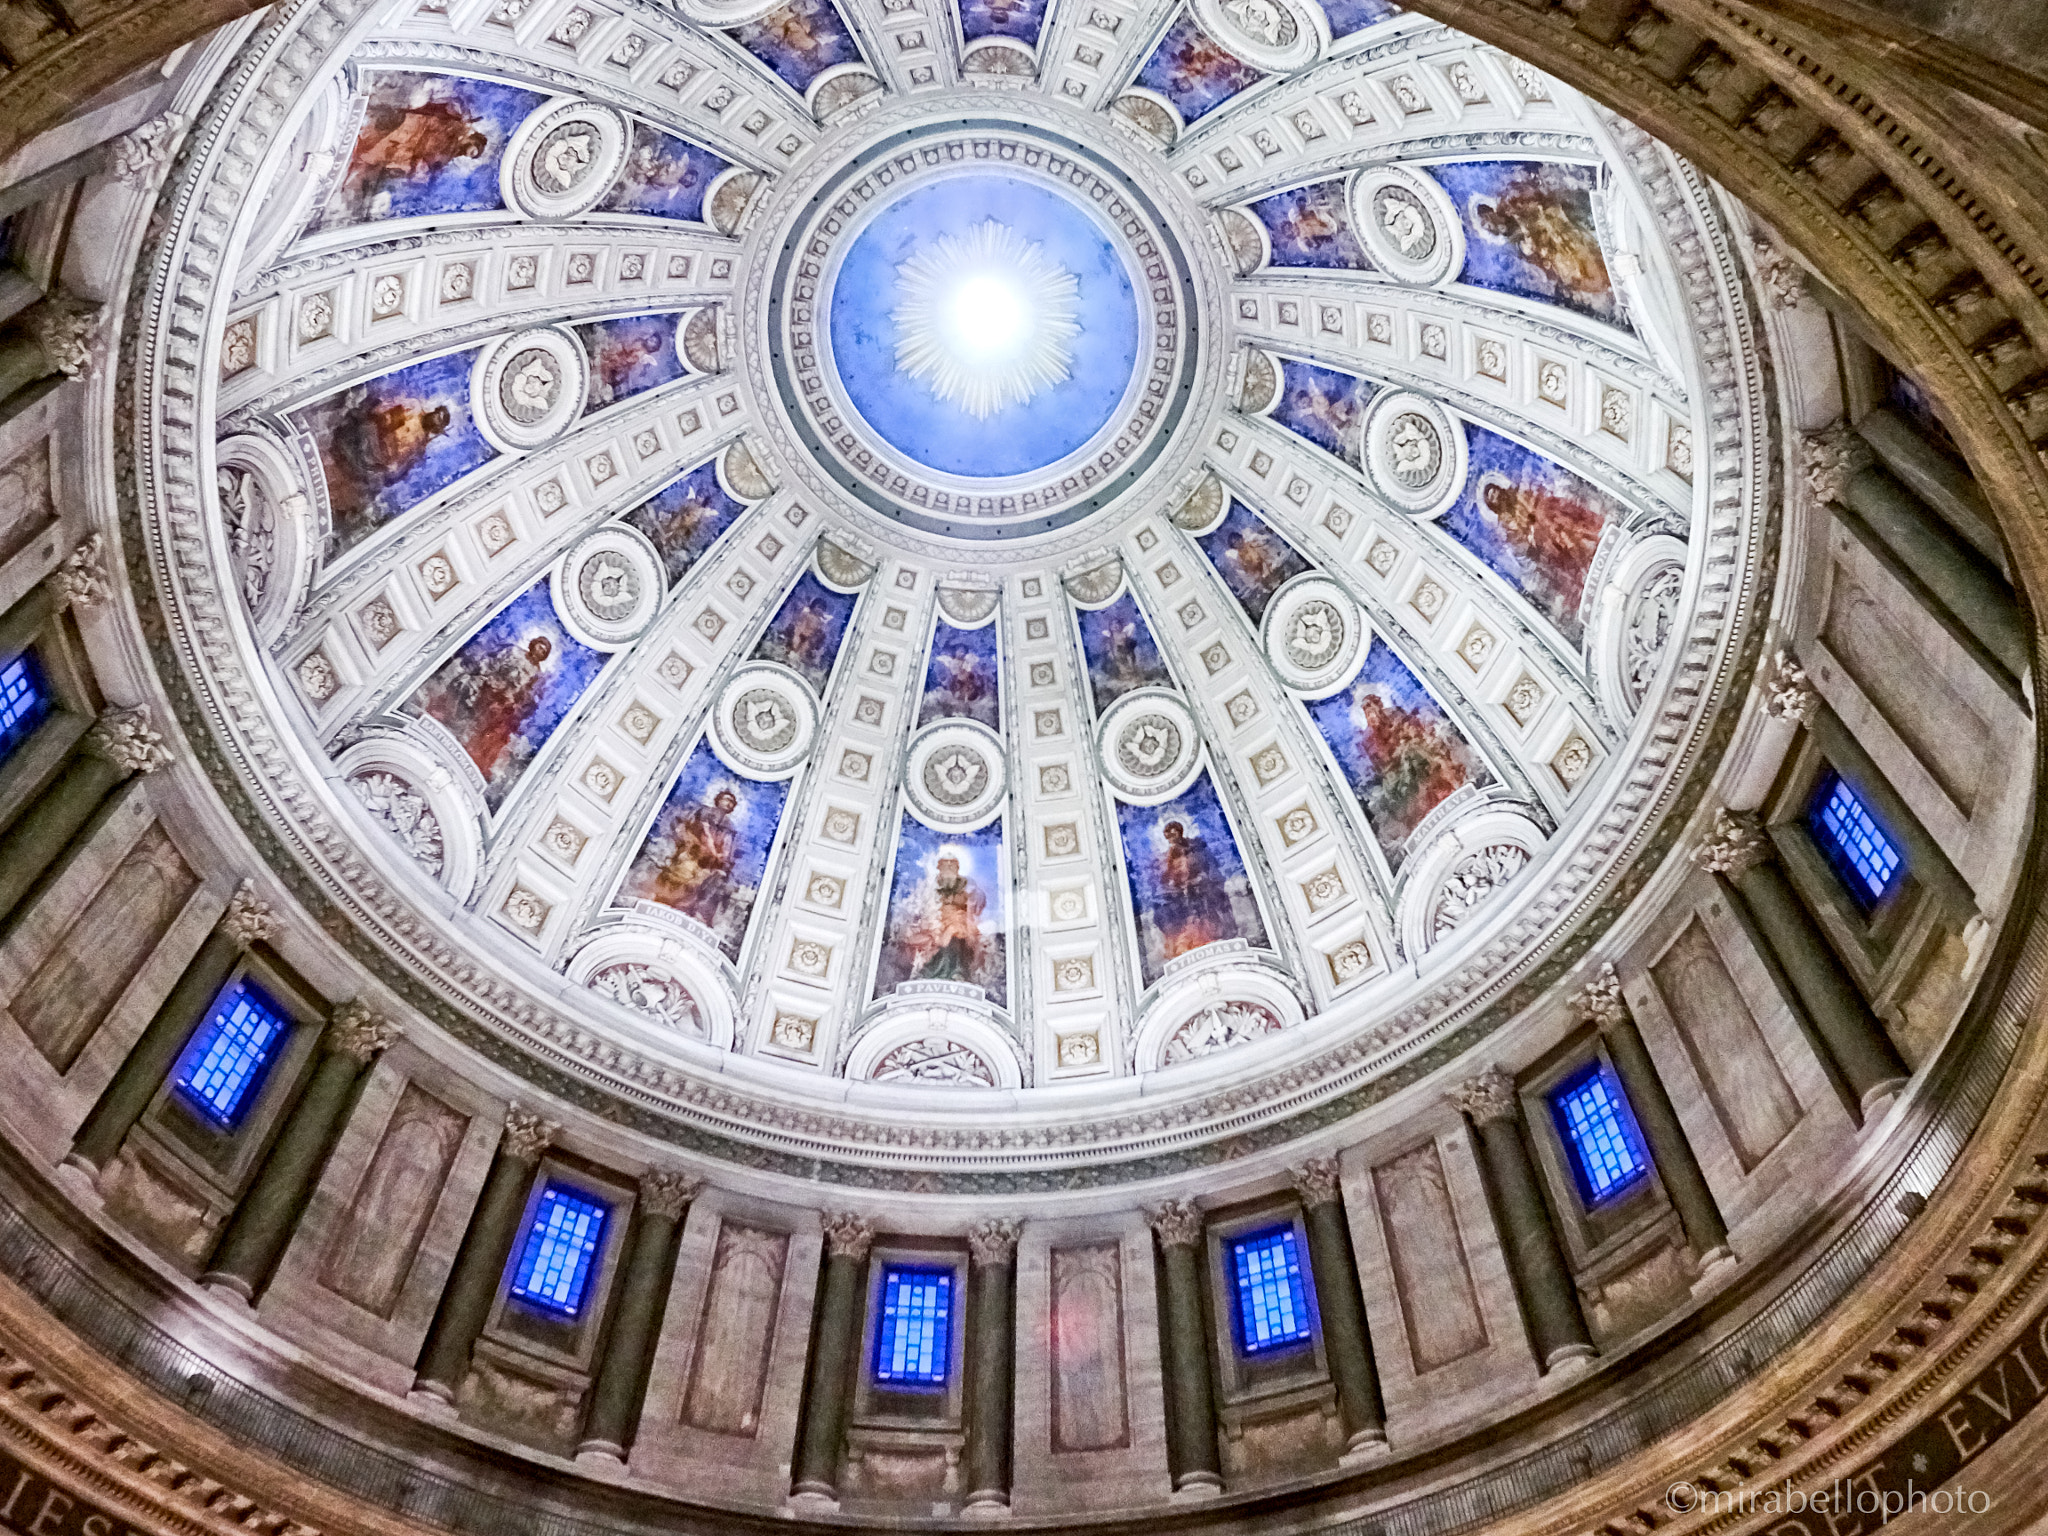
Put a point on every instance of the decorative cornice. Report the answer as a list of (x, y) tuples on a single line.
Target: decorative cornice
[(993, 1240), (1738, 845), (527, 1135), (127, 738), (847, 1235), (667, 1192), (1487, 1098), (247, 921), (1318, 1181), (354, 1030), (1178, 1223)]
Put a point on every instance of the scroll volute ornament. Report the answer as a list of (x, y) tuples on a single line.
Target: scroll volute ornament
[(1178, 1223), (1599, 1002), (1486, 1098), (847, 1235)]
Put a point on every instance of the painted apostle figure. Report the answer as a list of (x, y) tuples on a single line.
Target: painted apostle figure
[(697, 875), (1194, 907), (945, 942)]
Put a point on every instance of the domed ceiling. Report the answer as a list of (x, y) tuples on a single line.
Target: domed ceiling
[(862, 583)]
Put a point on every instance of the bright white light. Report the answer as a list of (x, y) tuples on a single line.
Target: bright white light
[(987, 315), (986, 319)]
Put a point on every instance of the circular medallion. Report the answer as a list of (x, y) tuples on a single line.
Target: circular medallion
[(988, 330), (1409, 224), (1148, 744), (1313, 635), (563, 159), (765, 720), (1414, 452), (529, 388), (608, 587), (1274, 35), (955, 775)]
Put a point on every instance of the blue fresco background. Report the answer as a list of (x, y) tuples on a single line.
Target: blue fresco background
[(1194, 71), (904, 410), (981, 863), (800, 41), (961, 679), (685, 517), (663, 175), (1021, 19), (1401, 752), (1252, 559), (1325, 406), (753, 823), (1349, 16), (1154, 903), (377, 456), (1311, 227), (403, 163), (629, 356), (501, 712), (1551, 248), (1120, 651), (807, 629)]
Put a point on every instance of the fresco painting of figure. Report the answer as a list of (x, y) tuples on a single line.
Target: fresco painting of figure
[(1194, 71), (960, 681), (1311, 227), (805, 633), (1252, 559), (1402, 754), (389, 443), (512, 682), (1349, 16), (799, 41), (428, 144), (945, 916), (1534, 522), (708, 848), (664, 175), (1021, 19), (1188, 882), (629, 356), (1121, 652), (1530, 230), (685, 517), (1325, 406)]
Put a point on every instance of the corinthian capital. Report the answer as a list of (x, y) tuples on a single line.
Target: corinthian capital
[(1486, 1098), (847, 1235), (81, 580), (993, 1240), (1178, 1223), (68, 331), (1787, 693), (1738, 845), (354, 1030), (1599, 1002), (1317, 1181), (247, 921), (527, 1135), (1829, 459), (127, 738), (666, 1191)]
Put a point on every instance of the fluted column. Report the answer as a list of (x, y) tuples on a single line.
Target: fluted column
[(1859, 1050), (1601, 1004), (121, 742), (246, 922), (992, 1316), (1550, 1302), (1346, 1341), (1191, 1397), (837, 1354), (269, 1213), (480, 1262), (621, 1384)]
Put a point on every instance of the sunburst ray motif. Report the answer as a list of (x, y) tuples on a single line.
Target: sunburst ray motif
[(985, 320)]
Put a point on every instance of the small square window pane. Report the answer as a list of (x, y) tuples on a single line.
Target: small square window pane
[(1607, 1152), (914, 1334), (1272, 1306), (227, 1060), (25, 701), (554, 1264), (1864, 856)]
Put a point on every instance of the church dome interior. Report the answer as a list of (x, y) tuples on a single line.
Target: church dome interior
[(1142, 765)]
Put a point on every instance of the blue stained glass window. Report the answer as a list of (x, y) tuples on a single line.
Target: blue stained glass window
[(1863, 855), (24, 701), (916, 1327), (1607, 1150), (1272, 1308), (232, 1053), (561, 1245)]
